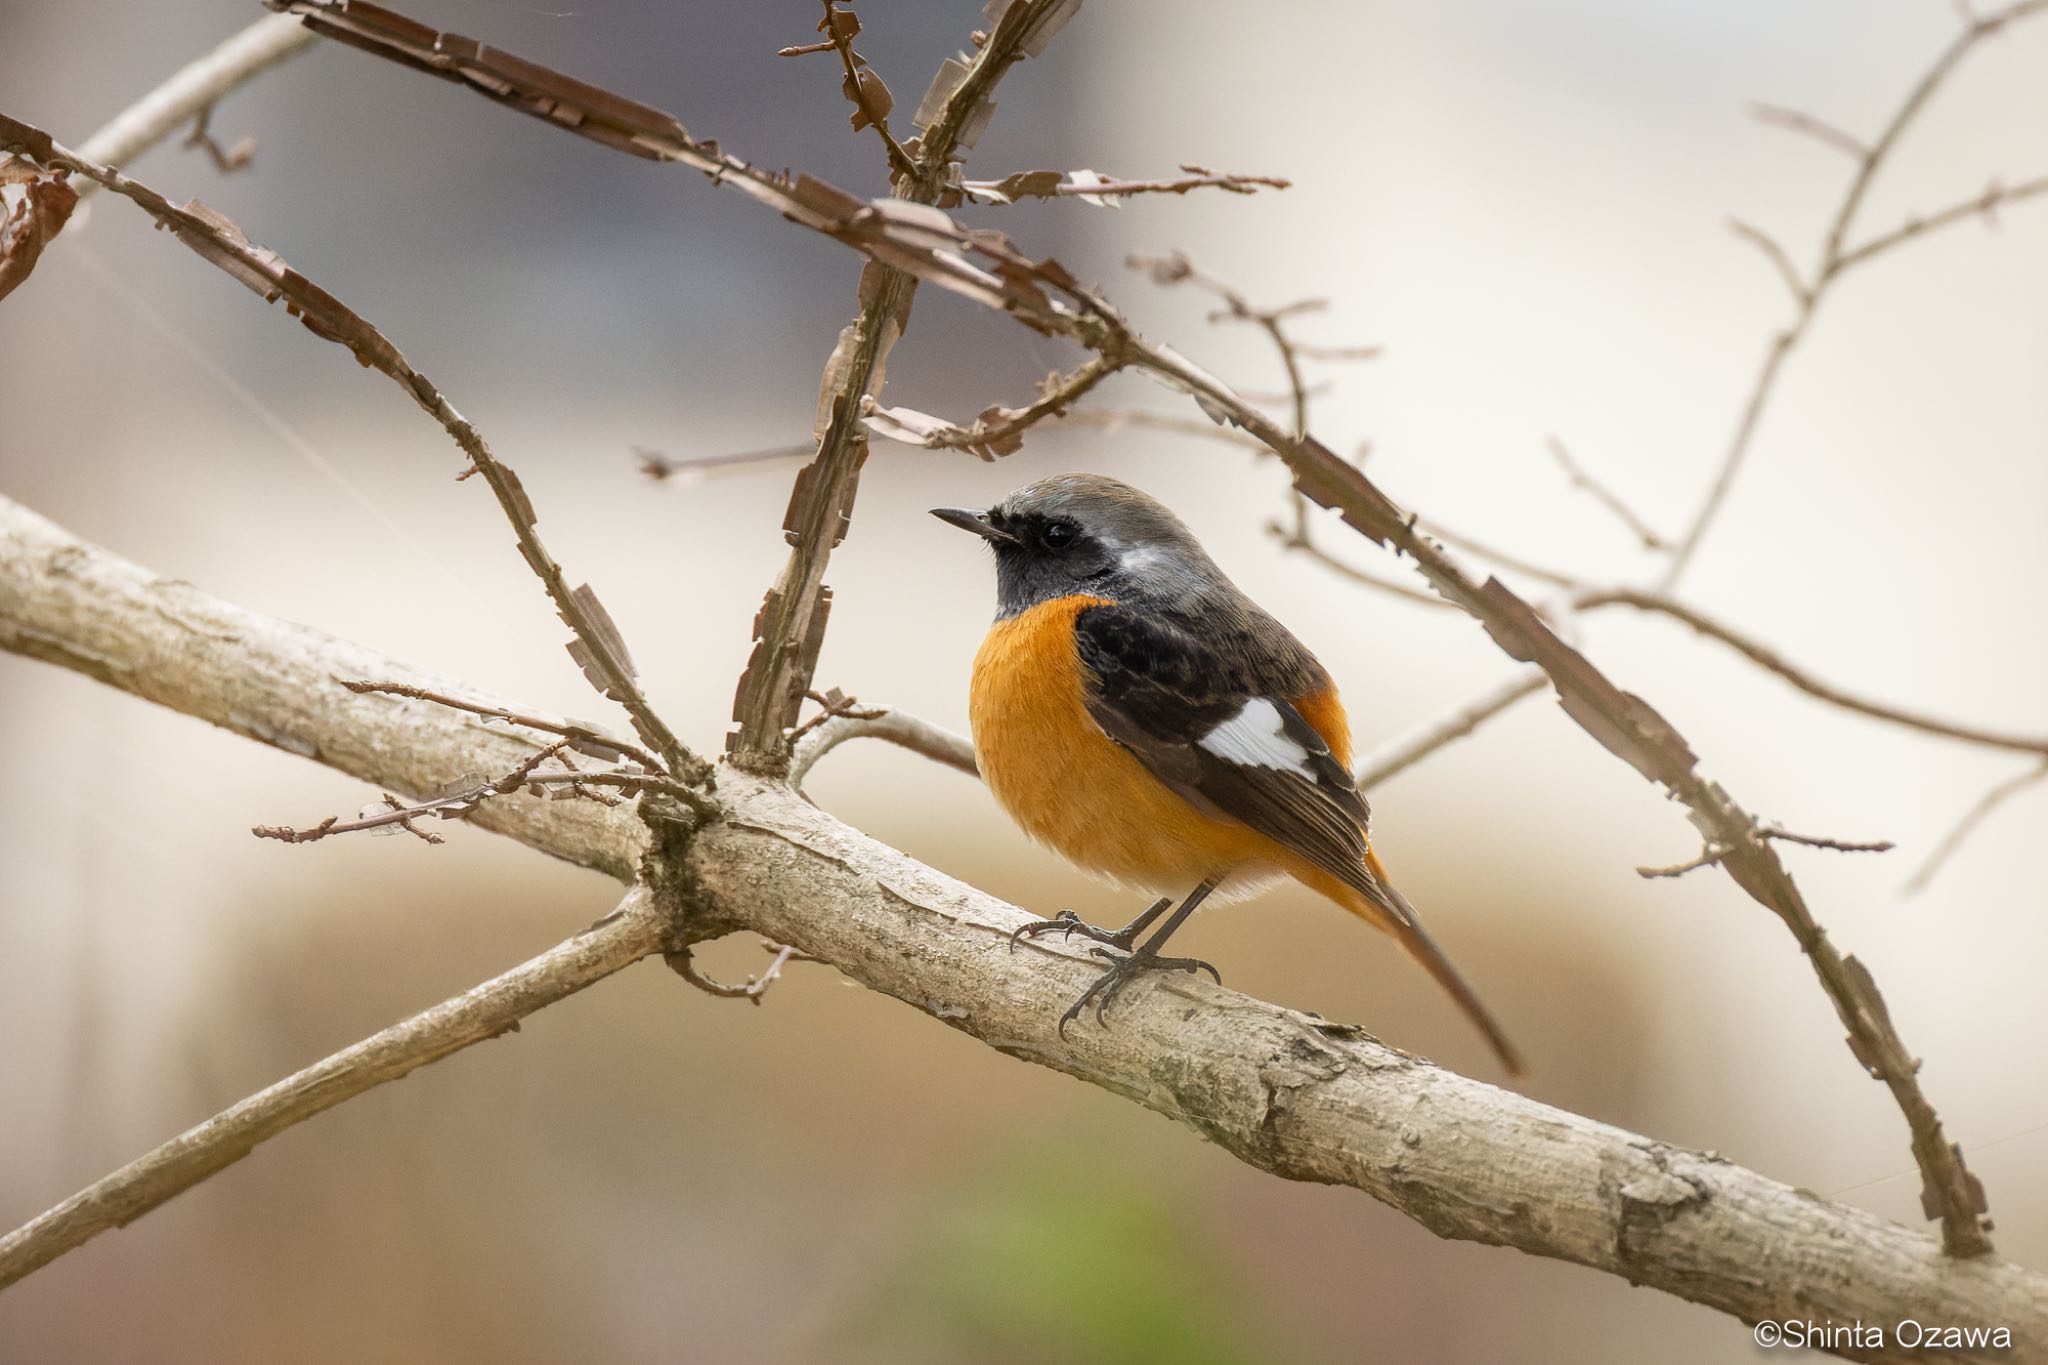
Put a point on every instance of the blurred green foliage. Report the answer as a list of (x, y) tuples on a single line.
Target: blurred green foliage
[(1074, 1263)]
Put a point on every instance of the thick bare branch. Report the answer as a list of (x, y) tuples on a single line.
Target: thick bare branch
[(73, 604), (635, 930), (1311, 1100), (1289, 1093)]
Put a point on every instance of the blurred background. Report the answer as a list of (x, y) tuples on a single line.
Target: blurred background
[(1525, 204)]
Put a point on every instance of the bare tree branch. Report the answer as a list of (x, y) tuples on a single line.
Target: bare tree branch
[(683, 963), (69, 603), (871, 99), (1603, 495), (897, 727), (1289, 1093), (1296, 537), (194, 90), (1410, 749), (1819, 129), (1712, 854), (1976, 815), (633, 931), (1771, 661), (1985, 205), (1140, 419), (791, 624), (597, 648), (1835, 256), (998, 431)]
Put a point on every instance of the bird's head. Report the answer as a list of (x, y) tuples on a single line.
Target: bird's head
[(1085, 533)]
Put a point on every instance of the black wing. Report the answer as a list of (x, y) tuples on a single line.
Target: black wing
[(1215, 726)]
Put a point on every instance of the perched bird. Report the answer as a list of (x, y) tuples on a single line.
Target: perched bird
[(1138, 714)]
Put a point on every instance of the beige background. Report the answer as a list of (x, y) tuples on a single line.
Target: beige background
[(1525, 204)]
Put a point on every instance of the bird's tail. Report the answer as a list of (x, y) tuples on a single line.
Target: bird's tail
[(1372, 897)]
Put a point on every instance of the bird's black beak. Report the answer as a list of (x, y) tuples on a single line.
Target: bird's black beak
[(967, 519)]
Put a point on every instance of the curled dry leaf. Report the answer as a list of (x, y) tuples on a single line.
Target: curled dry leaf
[(871, 98), (37, 216)]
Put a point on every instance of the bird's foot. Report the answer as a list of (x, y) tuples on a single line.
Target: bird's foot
[(1120, 973), (1067, 924)]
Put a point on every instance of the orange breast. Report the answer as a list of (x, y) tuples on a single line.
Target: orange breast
[(1068, 784)]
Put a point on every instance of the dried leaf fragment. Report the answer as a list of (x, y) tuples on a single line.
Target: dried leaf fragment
[(37, 216), (870, 97)]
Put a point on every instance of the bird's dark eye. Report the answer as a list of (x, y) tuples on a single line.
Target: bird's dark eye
[(1058, 535)]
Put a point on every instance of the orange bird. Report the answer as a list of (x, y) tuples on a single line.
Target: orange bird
[(1139, 715)]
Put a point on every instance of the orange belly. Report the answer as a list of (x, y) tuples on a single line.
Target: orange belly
[(1069, 785)]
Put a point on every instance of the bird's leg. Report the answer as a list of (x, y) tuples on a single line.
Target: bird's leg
[(1067, 924), (1145, 958)]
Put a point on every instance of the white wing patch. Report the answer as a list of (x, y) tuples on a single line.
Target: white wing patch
[(1256, 737)]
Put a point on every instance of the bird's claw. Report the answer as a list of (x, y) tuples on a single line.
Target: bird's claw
[(1121, 972), (1067, 924)]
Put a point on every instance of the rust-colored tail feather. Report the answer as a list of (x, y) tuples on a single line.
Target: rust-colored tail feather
[(1376, 900)]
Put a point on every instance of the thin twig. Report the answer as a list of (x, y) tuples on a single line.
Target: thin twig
[(1975, 816), (839, 27), (1768, 659), (634, 930), (1775, 253), (681, 962), (1404, 752), (997, 431), (1709, 856), (1819, 129), (886, 723), (586, 738), (1713, 854), (1506, 559), (1139, 419), (1985, 205), (1603, 495), (1784, 835), (226, 160), (1293, 538), (467, 796), (661, 468)]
